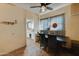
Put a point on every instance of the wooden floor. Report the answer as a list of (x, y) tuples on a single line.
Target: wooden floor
[(33, 49)]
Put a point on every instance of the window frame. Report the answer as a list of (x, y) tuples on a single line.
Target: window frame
[(63, 14)]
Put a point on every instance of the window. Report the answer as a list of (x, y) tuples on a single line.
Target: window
[(44, 24), (49, 23), (59, 21)]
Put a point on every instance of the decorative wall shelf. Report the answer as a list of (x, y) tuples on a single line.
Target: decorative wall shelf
[(9, 23)]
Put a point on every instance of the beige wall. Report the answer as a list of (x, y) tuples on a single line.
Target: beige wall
[(11, 36), (74, 22)]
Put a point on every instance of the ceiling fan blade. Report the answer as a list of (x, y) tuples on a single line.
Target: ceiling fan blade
[(35, 6), (48, 3), (49, 8)]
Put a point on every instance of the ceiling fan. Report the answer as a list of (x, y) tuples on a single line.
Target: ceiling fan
[(43, 7)]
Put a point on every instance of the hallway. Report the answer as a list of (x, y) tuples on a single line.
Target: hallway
[(33, 49)]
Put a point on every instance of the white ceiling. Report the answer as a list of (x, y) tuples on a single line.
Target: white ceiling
[(37, 10)]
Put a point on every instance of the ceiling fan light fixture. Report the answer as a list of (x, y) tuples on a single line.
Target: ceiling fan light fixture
[(43, 9)]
